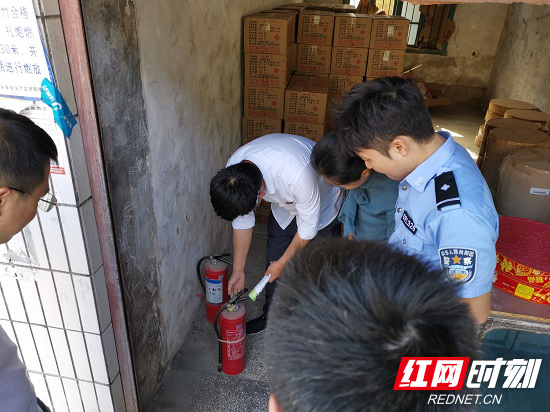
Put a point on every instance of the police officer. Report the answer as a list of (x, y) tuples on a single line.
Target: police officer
[(444, 212)]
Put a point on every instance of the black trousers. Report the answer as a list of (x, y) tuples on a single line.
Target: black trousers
[(279, 239)]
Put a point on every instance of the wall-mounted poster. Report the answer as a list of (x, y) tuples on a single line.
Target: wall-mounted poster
[(23, 60)]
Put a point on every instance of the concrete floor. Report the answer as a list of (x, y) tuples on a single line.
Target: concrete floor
[(193, 383), (462, 122)]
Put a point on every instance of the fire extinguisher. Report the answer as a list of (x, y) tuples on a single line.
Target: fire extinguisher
[(231, 333), (214, 284)]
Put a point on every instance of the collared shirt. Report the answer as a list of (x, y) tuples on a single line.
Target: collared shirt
[(16, 390), (292, 186), (459, 238), (368, 211)]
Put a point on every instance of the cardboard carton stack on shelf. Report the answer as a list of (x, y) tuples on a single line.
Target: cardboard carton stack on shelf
[(307, 94), (269, 47), (349, 57), (326, 42), (388, 43)]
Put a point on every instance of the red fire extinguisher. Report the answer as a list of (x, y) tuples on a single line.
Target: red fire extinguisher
[(214, 284), (231, 333)]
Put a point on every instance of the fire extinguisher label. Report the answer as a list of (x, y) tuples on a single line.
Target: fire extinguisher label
[(214, 290), (235, 350)]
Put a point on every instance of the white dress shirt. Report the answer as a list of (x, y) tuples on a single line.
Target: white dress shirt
[(292, 185), (16, 390)]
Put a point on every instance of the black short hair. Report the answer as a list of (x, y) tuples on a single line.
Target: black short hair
[(25, 151), (345, 313), (234, 190), (373, 113), (334, 164)]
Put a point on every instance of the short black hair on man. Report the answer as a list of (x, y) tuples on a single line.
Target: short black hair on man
[(373, 113), (25, 151), (234, 190), (344, 315), (334, 164)]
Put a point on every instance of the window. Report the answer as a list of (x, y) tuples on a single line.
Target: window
[(431, 25)]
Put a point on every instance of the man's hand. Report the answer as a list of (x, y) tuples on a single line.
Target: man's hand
[(275, 268), (350, 236), (236, 283)]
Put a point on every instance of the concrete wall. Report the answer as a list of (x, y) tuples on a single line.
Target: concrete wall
[(522, 69), (168, 81), (470, 52), (114, 57)]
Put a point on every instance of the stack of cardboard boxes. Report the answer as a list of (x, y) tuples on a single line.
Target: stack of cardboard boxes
[(270, 48), (307, 93), (330, 50), (387, 46), (349, 57)]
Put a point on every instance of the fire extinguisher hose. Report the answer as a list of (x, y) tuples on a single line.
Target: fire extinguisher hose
[(202, 259)]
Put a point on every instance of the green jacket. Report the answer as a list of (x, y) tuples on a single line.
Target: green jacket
[(368, 212)]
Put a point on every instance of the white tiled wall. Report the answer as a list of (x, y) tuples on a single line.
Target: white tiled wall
[(53, 295)]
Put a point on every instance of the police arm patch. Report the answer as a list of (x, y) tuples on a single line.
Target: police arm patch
[(458, 264)]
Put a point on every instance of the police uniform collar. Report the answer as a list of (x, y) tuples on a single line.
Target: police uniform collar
[(426, 170)]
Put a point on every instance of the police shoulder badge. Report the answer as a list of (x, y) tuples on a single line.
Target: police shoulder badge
[(458, 264)]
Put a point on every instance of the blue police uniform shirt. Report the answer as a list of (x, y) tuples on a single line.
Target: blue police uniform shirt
[(453, 231), (368, 211)]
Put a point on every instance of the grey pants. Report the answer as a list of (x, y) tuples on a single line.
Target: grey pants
[(279, 239)]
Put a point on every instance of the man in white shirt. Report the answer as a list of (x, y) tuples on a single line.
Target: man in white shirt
[(276, 168), (25, 154)]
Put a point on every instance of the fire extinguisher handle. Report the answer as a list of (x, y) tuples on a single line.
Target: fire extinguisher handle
[(237, 297), (225, 261), (217, 257)]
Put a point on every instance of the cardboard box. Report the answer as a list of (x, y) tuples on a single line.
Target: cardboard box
[(389, 32), (306, 99), (269, 33), (524, 185), (385, 63), (349, 61), (312, 58), (499, 106), (500, 123), (368, 9), (344, 8), (437, 28), (333, 104), (315, 27), (352, 30), (264, 102), (527, 115), (254, 128), (292, 56), (294, 6), (320, 7), (489, 115), (312, 74), (437, 97), (293, 14), (267, 70), (341, 84), (312, 131), (501, 142)]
